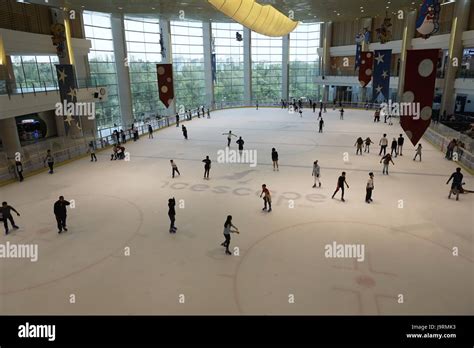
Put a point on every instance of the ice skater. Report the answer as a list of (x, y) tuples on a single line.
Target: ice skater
[(50, 160), (321, 125), (60, 213), (386, 161), (92, 152), (174, 169), (369, 188), (208, 113), (19, 170), (342, 114), (229, 137), (394, 147), (341, 181), (368, 141), (172, 214), (177, 120), (418, 152), (207, 167), (150, 132), (359, 142), (301, 112), (241, 143), (400, 142), (456, 186), (6, 215), (316, 173), (185, 132), (227, 231), (275, 160), (267, 198), (383, 145)]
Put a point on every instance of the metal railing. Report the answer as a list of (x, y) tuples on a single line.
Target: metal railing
[(15, 88)]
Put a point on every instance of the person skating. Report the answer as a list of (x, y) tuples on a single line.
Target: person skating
[(342, 113), (50, 160), (60, 213), (321, 125), (341, 181), (150, 132), (316, 173), (275, 160), (314, 107), (172, 214), (257, 104), (208, 113), (207, 167), (456, 186), (383, 145), (92, 152), (19, 170), (301, 112), (123, 136), (177, 120), (241, 143), (227, 231), (229, 137), (369, 188), (6, 215), (185, 132), (386, 161), (368, 141), (394, 147), (418, 152), (267, 198), (174, 169), (400, 142), (359, 142)]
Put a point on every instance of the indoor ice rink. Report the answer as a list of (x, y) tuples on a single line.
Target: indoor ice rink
[(123, 204)]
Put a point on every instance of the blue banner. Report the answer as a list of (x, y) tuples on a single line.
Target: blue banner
[(381, 78), (67, 90), (358, 55)]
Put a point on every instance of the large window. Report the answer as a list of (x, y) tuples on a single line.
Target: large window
[(188, 64), (266, 68), (38, 72), (304, 61), (144, 52), (97, 27), (229, 58)]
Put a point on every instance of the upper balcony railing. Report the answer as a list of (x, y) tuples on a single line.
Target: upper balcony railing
[(15, 88)]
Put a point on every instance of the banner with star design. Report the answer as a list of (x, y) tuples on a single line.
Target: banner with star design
[(365, 68), (67, 91), (165, 83), (381, 84), (420, 80)]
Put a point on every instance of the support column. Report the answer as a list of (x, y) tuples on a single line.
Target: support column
[(285, 66), (208, 46), (9, 136), (408, 32), (327, 40), (247, 66), (167, 56), (460, 21), (123, 77)]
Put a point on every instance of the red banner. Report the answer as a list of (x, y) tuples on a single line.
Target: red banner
[(365, 68), (165, 83), (420, 80)]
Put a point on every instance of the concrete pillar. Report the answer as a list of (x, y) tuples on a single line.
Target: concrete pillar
[(285, 66), (167, 56), (9, 136), (408, 32), (326, 61), (247, 66), (455, 53), (123, 77), (208, 50)]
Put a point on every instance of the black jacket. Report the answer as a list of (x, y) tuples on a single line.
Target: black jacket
[(60, 208)]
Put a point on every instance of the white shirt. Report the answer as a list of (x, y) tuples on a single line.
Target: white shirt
[(316, 170), (370, 183), (384, 141)]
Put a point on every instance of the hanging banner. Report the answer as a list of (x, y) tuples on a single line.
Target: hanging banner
[(417, 98), (68, 95), (165, 83), (427, 23), (382, 64), (365, 69)]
